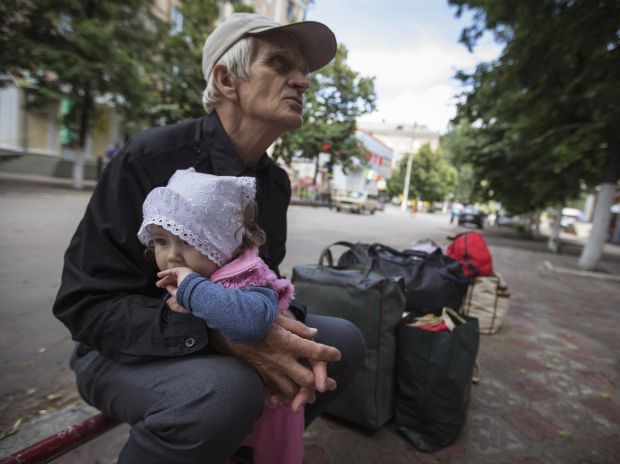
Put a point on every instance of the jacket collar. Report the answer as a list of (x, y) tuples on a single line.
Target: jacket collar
[(217, 148), (248, 260)]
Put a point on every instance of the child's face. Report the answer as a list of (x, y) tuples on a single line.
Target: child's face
[(170, 251)]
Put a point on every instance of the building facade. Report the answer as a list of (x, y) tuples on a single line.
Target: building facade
[(367, 176), (401, 138)]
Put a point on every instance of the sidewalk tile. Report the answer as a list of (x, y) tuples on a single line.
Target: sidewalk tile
[(531, 424), (604, 407), (611, 443)]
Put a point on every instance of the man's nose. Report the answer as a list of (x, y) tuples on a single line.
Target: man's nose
[(300, 81)]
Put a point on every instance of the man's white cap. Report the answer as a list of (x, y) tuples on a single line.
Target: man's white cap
[(316, 41), (203, 210)]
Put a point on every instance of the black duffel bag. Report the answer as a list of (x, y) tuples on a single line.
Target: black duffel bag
[(433, 378), (432, 280), (375, 304)]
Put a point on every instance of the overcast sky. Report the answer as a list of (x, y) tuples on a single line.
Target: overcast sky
[(411, 47)]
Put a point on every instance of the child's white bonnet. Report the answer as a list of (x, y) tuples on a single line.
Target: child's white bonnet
[(205, 211)]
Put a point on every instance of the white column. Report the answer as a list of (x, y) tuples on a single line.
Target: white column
[(593, 250), (403, 205)]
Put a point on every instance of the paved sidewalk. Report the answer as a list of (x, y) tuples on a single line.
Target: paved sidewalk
[(549, 390)]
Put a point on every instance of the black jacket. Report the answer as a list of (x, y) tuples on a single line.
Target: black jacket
[(107, 298)]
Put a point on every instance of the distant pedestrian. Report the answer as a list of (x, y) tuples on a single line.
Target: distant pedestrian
[(112, 150), (455, 211)]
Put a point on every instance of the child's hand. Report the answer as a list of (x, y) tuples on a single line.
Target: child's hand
[(170, 279), (175, 306)]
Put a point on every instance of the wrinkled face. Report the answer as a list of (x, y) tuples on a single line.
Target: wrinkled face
[(170, 251), (274, 93)]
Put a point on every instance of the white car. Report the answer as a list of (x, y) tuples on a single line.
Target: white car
[(358, 202)]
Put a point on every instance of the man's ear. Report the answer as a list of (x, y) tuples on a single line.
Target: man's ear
[(224, 82)]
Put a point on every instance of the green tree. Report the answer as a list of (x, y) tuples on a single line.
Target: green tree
[(459, 146), (177, 68), (81, 52), (547, 109), (432, 176), (396, 182), (336, 98)]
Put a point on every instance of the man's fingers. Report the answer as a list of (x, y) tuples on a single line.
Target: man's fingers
[(330, 384), (320, 375), (304, 396), (298, 328), (302, 348), (283, 385), (301, 375), (314, 351)]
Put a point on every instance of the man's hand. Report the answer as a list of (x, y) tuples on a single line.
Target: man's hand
[(280, 358), (170, 279)]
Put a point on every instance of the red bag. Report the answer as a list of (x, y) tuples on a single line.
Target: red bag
[(472, 252)]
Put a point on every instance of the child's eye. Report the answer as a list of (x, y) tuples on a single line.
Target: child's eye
[(160, 242), (186, 244)]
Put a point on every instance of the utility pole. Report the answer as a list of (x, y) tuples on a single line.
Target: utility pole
[(403, 205)]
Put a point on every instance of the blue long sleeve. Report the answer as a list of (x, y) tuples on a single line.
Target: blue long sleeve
[(240, 315)]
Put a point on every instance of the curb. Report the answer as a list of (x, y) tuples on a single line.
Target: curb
[(45, 180), (575, 272)]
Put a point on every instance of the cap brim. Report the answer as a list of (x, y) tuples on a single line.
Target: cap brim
[(316, 41)]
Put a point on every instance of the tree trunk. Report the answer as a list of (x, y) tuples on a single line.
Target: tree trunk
[(316, 169), (535, 226), (593, 250), (77, 181), (554, 238), (80, 155)]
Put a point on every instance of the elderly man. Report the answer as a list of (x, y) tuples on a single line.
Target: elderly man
[(190, 395)]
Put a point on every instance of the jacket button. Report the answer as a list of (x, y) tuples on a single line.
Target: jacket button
[(189, 342)]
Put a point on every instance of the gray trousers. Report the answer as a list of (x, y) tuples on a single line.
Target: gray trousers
[(198, 409)]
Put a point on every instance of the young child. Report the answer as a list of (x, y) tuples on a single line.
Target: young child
[(202, 233)]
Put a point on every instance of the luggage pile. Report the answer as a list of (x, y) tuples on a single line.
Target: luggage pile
[(421, 312)]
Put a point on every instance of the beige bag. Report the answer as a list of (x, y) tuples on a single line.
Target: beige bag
[(487, 300)]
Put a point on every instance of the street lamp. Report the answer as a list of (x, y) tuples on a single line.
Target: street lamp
[(403, 205)]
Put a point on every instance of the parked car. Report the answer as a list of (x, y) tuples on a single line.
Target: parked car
[(357, 202), (471, 215), (504, 220), (571, 216)]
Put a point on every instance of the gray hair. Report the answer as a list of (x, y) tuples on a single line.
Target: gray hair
[(236, 60)]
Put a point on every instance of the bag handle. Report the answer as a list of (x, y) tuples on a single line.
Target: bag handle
[(455, 316), (380, 246), (327, 254), (405, 253)]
